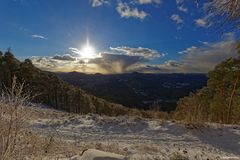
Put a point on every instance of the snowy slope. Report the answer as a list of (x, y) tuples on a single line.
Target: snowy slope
[(93, 154), (140, 139)]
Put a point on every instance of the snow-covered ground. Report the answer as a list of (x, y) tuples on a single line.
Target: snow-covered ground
[(140, 139)]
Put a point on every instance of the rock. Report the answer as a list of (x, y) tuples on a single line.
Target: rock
[(75, 158), (125, 149), (185, 151), (93, 154)]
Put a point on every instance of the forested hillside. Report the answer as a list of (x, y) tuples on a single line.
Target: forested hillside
[(219, 101), (48, 89)]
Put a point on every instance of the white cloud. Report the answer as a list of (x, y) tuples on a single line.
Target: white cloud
[(117, 63), (195, 59), (74, 50), (202, 22), (38, 36), (141, 52), (183, 9), (181, 6), (169, 66), (126, 11), (179, 1), (204, 42), (55, 64), (116, 60), (192, 48), (125, 59), (97, 3), (205, 58), (177, 19), (66, 57), (229, 36), (148, 1)]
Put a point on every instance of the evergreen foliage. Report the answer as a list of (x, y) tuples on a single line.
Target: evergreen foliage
[(219, 101)]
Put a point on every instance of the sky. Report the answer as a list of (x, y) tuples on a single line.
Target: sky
[(114, 36)]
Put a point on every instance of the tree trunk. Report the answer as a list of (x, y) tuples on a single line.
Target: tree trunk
[(231, 98)]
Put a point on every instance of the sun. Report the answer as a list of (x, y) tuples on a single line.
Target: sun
[(88, 52)]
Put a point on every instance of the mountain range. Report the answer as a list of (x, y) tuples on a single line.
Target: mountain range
[(138, 90)]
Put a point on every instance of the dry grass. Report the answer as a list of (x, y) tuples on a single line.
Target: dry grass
[(177, 156), (17, 141), (12, 120)]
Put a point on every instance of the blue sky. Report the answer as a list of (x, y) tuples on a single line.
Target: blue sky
[(168, 28)]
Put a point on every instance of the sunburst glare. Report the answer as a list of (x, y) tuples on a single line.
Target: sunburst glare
[(88, 52)]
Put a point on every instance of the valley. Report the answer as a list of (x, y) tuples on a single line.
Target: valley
[(139, 90)]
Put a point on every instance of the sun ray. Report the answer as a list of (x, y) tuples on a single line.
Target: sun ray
[(88, 51)]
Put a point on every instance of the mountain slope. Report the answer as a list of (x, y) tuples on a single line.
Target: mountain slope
[(139, 138), (51, 90)]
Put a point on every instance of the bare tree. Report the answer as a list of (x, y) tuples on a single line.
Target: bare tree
[(224, 12)]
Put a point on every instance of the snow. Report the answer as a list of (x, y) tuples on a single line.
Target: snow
[(93, 154), (138, 138)]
